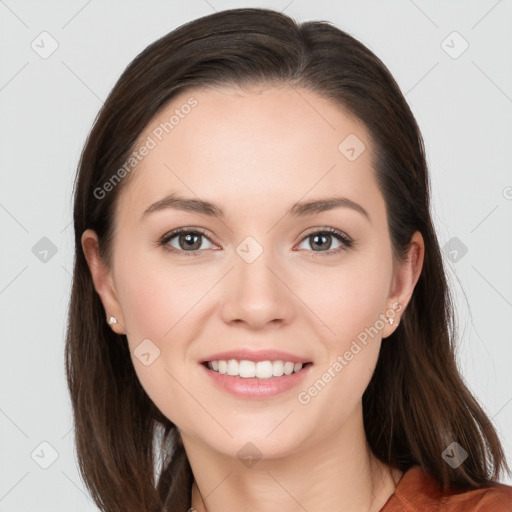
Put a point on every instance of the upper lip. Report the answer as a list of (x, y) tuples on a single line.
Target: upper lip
[(255, 355)]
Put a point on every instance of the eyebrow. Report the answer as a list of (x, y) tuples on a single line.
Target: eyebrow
[(299, 209)]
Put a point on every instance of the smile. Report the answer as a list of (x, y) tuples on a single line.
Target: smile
[(255, 380), (250, 369)]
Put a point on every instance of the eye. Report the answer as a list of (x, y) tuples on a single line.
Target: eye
[(185, 241), (320, 240), (190, 242)]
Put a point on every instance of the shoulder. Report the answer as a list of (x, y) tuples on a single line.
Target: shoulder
[(417, 491)]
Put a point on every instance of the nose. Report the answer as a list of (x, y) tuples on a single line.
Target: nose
[(257, 294)]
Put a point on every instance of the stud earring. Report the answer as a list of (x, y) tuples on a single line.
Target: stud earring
[(112, 320), (391, 320)]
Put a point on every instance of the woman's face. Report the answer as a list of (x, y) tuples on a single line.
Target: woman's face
[(258, 278)]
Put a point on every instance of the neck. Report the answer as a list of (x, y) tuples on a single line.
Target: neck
[(339, 474)]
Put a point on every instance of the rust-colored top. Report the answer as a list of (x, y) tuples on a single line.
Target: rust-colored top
[(417, 491)]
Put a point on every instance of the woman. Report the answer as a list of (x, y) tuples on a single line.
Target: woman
[(259, 317)]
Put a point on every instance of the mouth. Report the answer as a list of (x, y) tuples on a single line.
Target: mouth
[(255, 380), (251, 370)]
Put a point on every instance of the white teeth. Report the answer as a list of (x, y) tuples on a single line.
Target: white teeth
[(222, 366), (246, 369), (278, 368), (264, 369), (288, 368), (232, 367), (249, 369)]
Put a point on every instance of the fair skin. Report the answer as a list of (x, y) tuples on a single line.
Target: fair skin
[(256, 153)]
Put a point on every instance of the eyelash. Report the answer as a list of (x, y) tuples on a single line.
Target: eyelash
[(347, 242)]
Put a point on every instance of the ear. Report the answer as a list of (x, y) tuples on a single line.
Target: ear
[(102, 279), (405, 278)]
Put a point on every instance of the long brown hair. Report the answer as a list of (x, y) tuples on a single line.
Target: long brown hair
[(416, 403)]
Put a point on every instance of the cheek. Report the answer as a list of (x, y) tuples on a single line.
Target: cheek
[(154, 296), (349, 298), (349, 301), (156, 305)]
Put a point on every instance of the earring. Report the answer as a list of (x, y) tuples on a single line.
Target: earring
[(112, 320), (391, 320)]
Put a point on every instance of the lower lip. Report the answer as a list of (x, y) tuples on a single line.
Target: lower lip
[(256, 388)]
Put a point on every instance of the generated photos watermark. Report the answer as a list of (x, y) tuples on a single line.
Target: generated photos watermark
[(150, 143), (342, 360)]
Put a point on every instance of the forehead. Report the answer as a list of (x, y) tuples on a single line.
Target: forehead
[(241, 148)]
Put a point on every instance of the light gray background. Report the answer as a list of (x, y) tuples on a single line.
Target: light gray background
[(463, 106)]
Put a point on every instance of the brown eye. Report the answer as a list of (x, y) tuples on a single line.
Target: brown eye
[(185, 241), (190, 241), (322, 241)]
